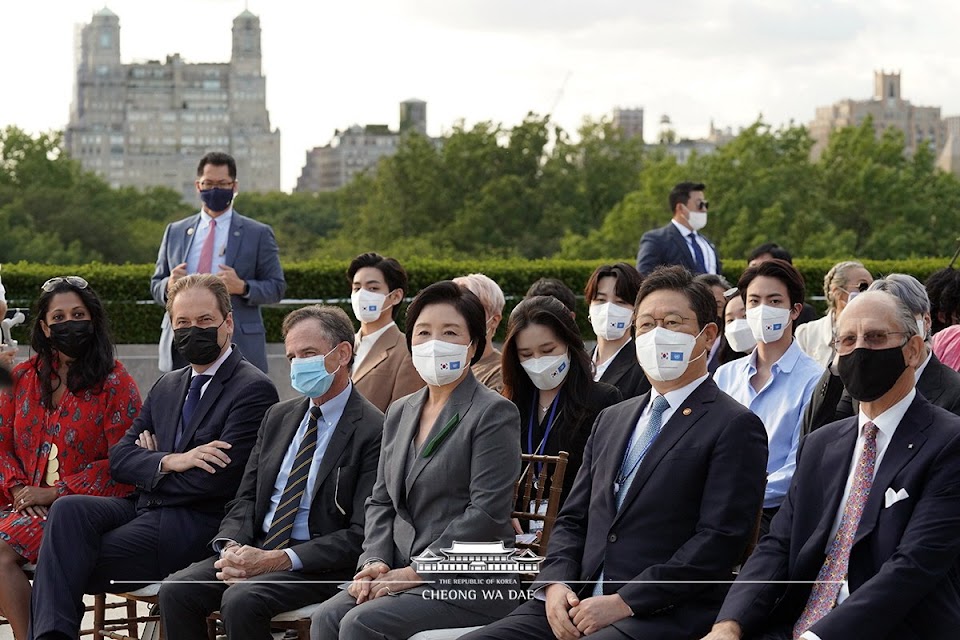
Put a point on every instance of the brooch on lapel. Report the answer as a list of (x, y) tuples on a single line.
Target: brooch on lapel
[(440, 437)]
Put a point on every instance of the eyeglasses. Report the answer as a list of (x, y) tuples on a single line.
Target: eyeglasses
[(703, 206), (871, 339), (670, 322), (74, 281), (205, 185)]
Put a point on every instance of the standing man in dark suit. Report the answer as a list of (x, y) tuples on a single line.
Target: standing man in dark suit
[(323, 446), (185, 454), (678, 242), (667, 498), (866, 544), (238, 249)]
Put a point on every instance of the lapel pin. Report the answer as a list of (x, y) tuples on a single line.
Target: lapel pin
[(190, 231), (910, 446), (236, 233), (687, 411)]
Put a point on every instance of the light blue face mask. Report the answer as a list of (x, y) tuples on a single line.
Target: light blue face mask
[(310, 377)]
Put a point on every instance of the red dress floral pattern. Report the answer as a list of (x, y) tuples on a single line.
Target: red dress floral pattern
[(65, 447)]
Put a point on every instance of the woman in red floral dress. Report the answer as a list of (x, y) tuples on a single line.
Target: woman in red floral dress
[(69, 404)]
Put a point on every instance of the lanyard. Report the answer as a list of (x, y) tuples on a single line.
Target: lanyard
[(546, 434)]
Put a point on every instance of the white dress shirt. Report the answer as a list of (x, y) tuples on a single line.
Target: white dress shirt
[(886, 424), (364, 344), (709, 255), (600, 368), (219, 241)]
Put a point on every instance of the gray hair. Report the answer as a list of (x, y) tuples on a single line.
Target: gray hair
[(906, 318), (838, 276), (713, 280), (906, 288), (335, 325)]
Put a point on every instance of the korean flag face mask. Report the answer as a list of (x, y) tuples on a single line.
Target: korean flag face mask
[(547, 372), (768, 323), (610, 321), (664, 354), (439, 362), (367, 305)]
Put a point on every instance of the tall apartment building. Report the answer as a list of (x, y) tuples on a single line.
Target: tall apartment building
[(629, 121), (920, 125), (358, 149), (147, 124)]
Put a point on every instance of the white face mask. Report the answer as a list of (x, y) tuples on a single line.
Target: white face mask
[(547, 372), (610, 321), (664, 354), (439, 362), (740, 336), (768, 323), (367, 305), (697, 219)]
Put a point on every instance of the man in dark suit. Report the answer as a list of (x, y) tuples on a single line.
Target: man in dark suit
[(218, 240), (936, 382), (867, 541), (655, 515), (678, 242), (184, 453), (259, 574)]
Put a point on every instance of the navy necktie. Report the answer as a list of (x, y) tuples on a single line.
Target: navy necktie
[(697, 253), (190, 405), (281, 529)]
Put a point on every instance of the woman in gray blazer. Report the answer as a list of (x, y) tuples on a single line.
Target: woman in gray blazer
[(448, 463)]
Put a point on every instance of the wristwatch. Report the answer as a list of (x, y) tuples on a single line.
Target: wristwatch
[(246, 289)]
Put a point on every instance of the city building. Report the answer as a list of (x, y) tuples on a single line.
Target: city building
[(148, 123), (683, 148), (358, 149), (887, 108), (949, 159), (629, 121)]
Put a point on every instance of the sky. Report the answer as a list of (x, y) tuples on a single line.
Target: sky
[(332, 64)]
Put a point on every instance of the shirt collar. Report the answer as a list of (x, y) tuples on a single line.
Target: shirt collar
[(372, 337), (787, 361), (212, 369), (888, 420), (223, 220), (336, 405), (676, 397), (686, 232)]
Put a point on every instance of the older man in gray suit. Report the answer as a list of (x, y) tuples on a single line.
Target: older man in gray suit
[(219, 240)]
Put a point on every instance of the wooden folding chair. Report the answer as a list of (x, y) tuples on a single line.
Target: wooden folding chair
[(538, 490), (297, 620), (114, 628)]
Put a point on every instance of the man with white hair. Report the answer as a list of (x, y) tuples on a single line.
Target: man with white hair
[(866, 543), (487, 369)]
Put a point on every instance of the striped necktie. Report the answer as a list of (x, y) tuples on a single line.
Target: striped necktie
[(697, 253), (823, 595), (281, 528)]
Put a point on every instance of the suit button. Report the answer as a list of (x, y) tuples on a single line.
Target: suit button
[(612, 537)]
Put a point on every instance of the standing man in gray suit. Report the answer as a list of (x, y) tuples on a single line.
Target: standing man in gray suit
[(218, 240)]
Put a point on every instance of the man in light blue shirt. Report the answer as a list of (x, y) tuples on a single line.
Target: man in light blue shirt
[(777, 380), (299, 513)]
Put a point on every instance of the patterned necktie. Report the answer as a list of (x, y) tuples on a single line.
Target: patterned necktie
[(697, 252), (823, 596), (281, 528), (206, 251), (633, 459), (190, 405)]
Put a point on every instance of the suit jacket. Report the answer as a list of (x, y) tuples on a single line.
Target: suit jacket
[(667, 246), (626, 374), (344, 482), (903, 575), (463, 492), (252, 252), (387, 373), (938, 383), (688, 514), (231, 410)]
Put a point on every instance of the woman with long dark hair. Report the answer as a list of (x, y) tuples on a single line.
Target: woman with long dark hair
[(69, 404), (548, 375)]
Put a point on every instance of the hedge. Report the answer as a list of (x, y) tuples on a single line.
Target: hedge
[(125, 289)]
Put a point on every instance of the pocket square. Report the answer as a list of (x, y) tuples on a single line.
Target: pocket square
[(892, 497)]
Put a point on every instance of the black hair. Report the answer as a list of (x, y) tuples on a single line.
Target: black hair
[(943, 289), (555, 288), (773, 250), (628, 281), (85, 373), (678, 278), (460, 298), (394, 274), (218, 159), (680, 194), (779, 269)]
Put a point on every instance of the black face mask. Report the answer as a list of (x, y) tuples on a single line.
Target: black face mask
[(72, 338), (869, 373), (198, 344)]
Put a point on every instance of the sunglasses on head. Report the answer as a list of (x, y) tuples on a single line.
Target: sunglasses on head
[(74, 281)]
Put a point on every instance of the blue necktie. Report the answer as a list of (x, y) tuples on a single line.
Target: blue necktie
[(697, 253), (190, 405), (281, 528), (633, 459)]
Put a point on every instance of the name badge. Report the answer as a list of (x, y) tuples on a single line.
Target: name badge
[(537, 525)]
